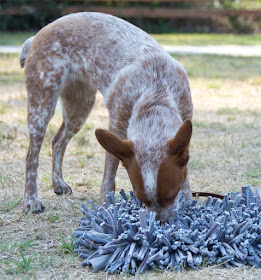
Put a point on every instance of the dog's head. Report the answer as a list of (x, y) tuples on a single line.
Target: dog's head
[(156, 181)]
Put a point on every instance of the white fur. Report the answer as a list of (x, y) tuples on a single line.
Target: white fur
[(150, 182)]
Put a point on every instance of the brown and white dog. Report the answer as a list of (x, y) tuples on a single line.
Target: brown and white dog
[(146, 92)]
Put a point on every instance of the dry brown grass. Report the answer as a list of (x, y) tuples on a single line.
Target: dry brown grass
[(225, 155)]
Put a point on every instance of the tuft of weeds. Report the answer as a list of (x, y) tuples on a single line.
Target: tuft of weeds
[(51, 131), (10, 204), (250, 125), (82, 140), (212, 126), (81, 136), (88, 184), (25, 264), (4, 180), (215, 84), (250, 173), (199, 124), (196, 163), (46, 261), (227, 111), (16, 260), (75, 209), (4, 108), (52, 218), (253, 176), (67, 244), (255, 113), (20, 265), (8, 134), (23, 245), (46, 180), (231, 118)]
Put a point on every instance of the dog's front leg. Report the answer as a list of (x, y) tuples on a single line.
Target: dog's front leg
[(110, 169)]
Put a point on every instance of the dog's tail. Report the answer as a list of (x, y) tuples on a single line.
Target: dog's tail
[(25, 49)]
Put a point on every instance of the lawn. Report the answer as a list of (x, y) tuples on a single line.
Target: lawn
[(208, 39), (14, 38), (225, 155), (17, 38)]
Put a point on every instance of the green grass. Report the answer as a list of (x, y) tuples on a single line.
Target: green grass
[(223, 158), (211, 67), (10, 71), (253, 176), (234, 111), (52, 218), (88, 184), (81, 136), (17, 38), (26, 264), (15, 247), (221, 67), (67, 244), (4, 108), (21, 258), (14, 38), (227, 111), (250, 173), (10, 204), (22, 264), (208, 39), (7, 134), (255, 113), (211, 126)]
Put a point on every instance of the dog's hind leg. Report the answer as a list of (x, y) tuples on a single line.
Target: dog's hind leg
[(41, 106), (77, 100)]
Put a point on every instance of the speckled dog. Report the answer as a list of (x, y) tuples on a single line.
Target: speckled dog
[(146, 92)]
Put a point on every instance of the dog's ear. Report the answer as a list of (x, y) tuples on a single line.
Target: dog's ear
[(113, 144), (179, 145)]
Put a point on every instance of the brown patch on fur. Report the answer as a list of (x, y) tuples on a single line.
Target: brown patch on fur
[(113, 144), (122, 149), (134, 173), (173, 170), (179, 144), (123, 116), (171, 177)]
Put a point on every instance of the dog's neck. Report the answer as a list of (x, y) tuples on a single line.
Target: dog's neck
[(128, 102), (155, 120)]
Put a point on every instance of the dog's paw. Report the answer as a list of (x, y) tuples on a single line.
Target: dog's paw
[(62, 188), (33, 204)]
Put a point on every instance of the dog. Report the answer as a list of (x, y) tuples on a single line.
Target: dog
[(146, 92)]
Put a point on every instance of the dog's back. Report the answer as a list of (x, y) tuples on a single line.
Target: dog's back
[(88, 43)]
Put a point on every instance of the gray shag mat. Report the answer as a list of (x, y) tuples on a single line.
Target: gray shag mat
[(123, 237)]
